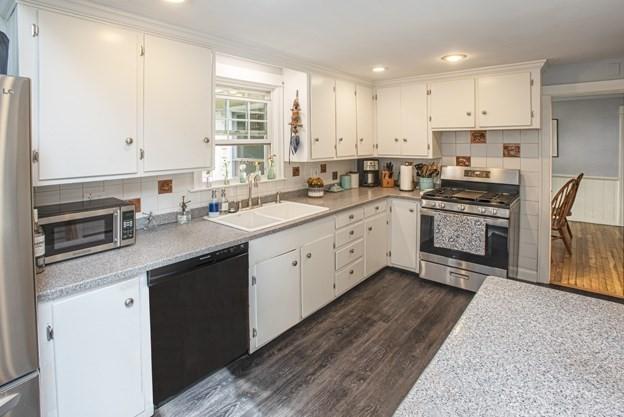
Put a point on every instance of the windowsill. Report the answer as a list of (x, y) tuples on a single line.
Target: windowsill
[(234, 182)]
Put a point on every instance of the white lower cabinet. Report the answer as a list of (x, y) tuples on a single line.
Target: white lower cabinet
[(94, 353), (349, 276), (277, 298), (376, 241), (404, 234), (317, 274)]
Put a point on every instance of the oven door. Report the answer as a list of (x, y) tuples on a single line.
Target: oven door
[(76, 234), (496, 258)]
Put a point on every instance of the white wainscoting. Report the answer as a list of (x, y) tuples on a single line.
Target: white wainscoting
[(597, 201)]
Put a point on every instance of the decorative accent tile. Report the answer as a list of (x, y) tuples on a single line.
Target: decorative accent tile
[(165, 186), (478, 136), (323, 168), (296, 171), (136, 202), (462, 161), (511, 150)]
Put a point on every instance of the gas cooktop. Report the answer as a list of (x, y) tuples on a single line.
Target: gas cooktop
[(466, 195)]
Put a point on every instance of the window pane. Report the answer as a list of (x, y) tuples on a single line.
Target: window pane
[(220, 108), (252, 158), (238, 109)]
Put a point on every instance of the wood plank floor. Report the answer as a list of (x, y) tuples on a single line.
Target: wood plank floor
[(357, 357), (597, 261)]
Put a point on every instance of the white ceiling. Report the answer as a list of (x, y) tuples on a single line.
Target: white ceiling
[(407, 36)]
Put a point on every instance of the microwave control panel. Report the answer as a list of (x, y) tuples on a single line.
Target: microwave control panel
[(127, 225)]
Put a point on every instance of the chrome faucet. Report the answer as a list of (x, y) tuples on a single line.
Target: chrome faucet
[(252, 181)]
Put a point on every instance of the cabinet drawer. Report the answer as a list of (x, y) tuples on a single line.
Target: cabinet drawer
[(348, 277), (349, 217), (349, 254), (349, 234), (375, 208)]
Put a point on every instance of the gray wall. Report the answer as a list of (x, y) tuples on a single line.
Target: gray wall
[(606, 69), (588, 136)]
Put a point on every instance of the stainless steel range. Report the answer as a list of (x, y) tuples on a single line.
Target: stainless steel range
[(469, 228)]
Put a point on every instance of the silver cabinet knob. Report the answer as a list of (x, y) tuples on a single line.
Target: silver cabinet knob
[(396, 139), (376, 207), (351, 272), (411, 210), (351, 217), (340, 139), (316, 139), (361, 139), (129, 141), (468, 113), (206, 140), (352, 251), (295, 263), (309, 255), (129, 302), (370, 229), (405, 140), (351, 232), (483, 112)]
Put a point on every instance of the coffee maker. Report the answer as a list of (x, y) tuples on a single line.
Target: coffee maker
[(369, 172)]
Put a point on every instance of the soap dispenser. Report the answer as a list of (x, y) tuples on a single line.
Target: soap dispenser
[(225, 204), (213, 206)]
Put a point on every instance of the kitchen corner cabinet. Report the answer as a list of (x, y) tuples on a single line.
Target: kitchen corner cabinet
[(404, 234), (88, 98), (177, 105), (376, 241), (317, 274), (322, 117), (94, 353), (452, 104), (402, 126), (365, 119), (504, 100), (346, 119)]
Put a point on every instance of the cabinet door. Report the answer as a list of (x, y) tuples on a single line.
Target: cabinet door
[(364, 100), (178, 105), (322, 117), (452, 104), (88, 89), (317, 274), (389, 121), (376, 243), (404, 225), (505, 100), (97, 350), (415, 136), (277, 293), (346, 133)]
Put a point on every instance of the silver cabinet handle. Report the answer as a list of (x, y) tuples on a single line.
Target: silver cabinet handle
[(352, 251), (351, 217), (361, 139), (206, 140), (483, 112), (295, 263), (129, 302), (370, 229), (458, 275), (129, 141), (376, 207), (309, 255), (468, 113), (351, 232), (316, 139), (411, 210)]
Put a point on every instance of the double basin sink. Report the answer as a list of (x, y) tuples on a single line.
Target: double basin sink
[(268, 215)]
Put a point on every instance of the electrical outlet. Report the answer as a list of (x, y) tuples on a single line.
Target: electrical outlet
[(323, 168), (334, 175), (295, 171)]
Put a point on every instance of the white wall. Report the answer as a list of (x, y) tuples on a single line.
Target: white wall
[(588, 136), (490, 155), (607, 69)]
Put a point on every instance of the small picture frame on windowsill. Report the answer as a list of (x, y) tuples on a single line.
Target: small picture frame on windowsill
[(555, 137)]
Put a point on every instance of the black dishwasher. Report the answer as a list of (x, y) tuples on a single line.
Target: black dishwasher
[(199, 311)]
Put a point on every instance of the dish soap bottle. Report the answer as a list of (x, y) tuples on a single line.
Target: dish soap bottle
[(39, 244), (225, 204), (184, 216), (213, 206)]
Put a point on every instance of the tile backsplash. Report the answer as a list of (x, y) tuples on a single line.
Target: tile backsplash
[(162, 194)]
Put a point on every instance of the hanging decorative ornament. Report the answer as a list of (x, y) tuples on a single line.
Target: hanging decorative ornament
[(295, 124)]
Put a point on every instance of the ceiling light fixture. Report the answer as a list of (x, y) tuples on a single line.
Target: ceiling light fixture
[(452, 58), (379, 68)]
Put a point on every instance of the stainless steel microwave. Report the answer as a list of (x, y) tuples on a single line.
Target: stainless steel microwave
[(85, 227)]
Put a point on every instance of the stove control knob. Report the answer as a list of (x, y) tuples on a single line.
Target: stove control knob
[(494, 211), (482, 210), (461, 207), (442, 205)]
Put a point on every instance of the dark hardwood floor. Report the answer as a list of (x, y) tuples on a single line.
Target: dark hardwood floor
[(357, 357)]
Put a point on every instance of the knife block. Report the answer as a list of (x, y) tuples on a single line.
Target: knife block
[(386, 179)]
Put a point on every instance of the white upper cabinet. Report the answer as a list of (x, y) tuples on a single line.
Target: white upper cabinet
[(364, 99), (452, 104), (504, 100), (346, 119), (322, 117), (414, 126), (389, 120), (177, 105), (88, 98)]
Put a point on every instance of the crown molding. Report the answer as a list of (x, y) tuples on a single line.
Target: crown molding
[(528, 65), (220, 45)]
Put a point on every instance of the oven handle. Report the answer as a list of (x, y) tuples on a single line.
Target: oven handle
[(491, 221), (116, 227)]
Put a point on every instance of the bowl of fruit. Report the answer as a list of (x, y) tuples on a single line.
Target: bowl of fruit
[(316, 187)]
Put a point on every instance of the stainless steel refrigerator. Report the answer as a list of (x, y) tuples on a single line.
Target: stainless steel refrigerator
[(19, 379)]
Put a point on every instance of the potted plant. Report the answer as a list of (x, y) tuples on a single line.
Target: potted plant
[(316, 187)]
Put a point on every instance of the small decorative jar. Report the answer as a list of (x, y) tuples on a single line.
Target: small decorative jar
[(316, 192)]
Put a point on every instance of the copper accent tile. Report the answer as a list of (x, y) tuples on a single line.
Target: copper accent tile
[(165, 186), (511, 150), (296, 171), (136, 202), (478, 136), (462, 161), (323, 168)]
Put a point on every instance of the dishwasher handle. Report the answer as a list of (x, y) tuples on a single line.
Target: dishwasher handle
[(162, 274)]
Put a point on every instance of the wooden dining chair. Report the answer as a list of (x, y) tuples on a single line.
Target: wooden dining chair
[(576, 188), (560, 208)]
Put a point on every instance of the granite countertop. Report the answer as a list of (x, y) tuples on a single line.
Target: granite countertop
[(174, 243), (526, 350)]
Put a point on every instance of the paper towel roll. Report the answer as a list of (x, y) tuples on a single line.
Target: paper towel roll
[(407, 178)]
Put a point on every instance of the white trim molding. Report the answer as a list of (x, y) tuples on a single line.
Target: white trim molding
[(584, 89)]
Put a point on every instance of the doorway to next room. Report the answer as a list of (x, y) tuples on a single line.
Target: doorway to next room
[(587, 245)]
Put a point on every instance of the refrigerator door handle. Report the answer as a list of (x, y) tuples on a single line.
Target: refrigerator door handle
[(9, 403)]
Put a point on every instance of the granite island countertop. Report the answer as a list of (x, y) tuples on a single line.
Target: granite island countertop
[(172, 243), (526, 350)]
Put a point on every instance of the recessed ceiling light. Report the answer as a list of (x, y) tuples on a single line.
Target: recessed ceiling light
[(454, 57), (379, 68)]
